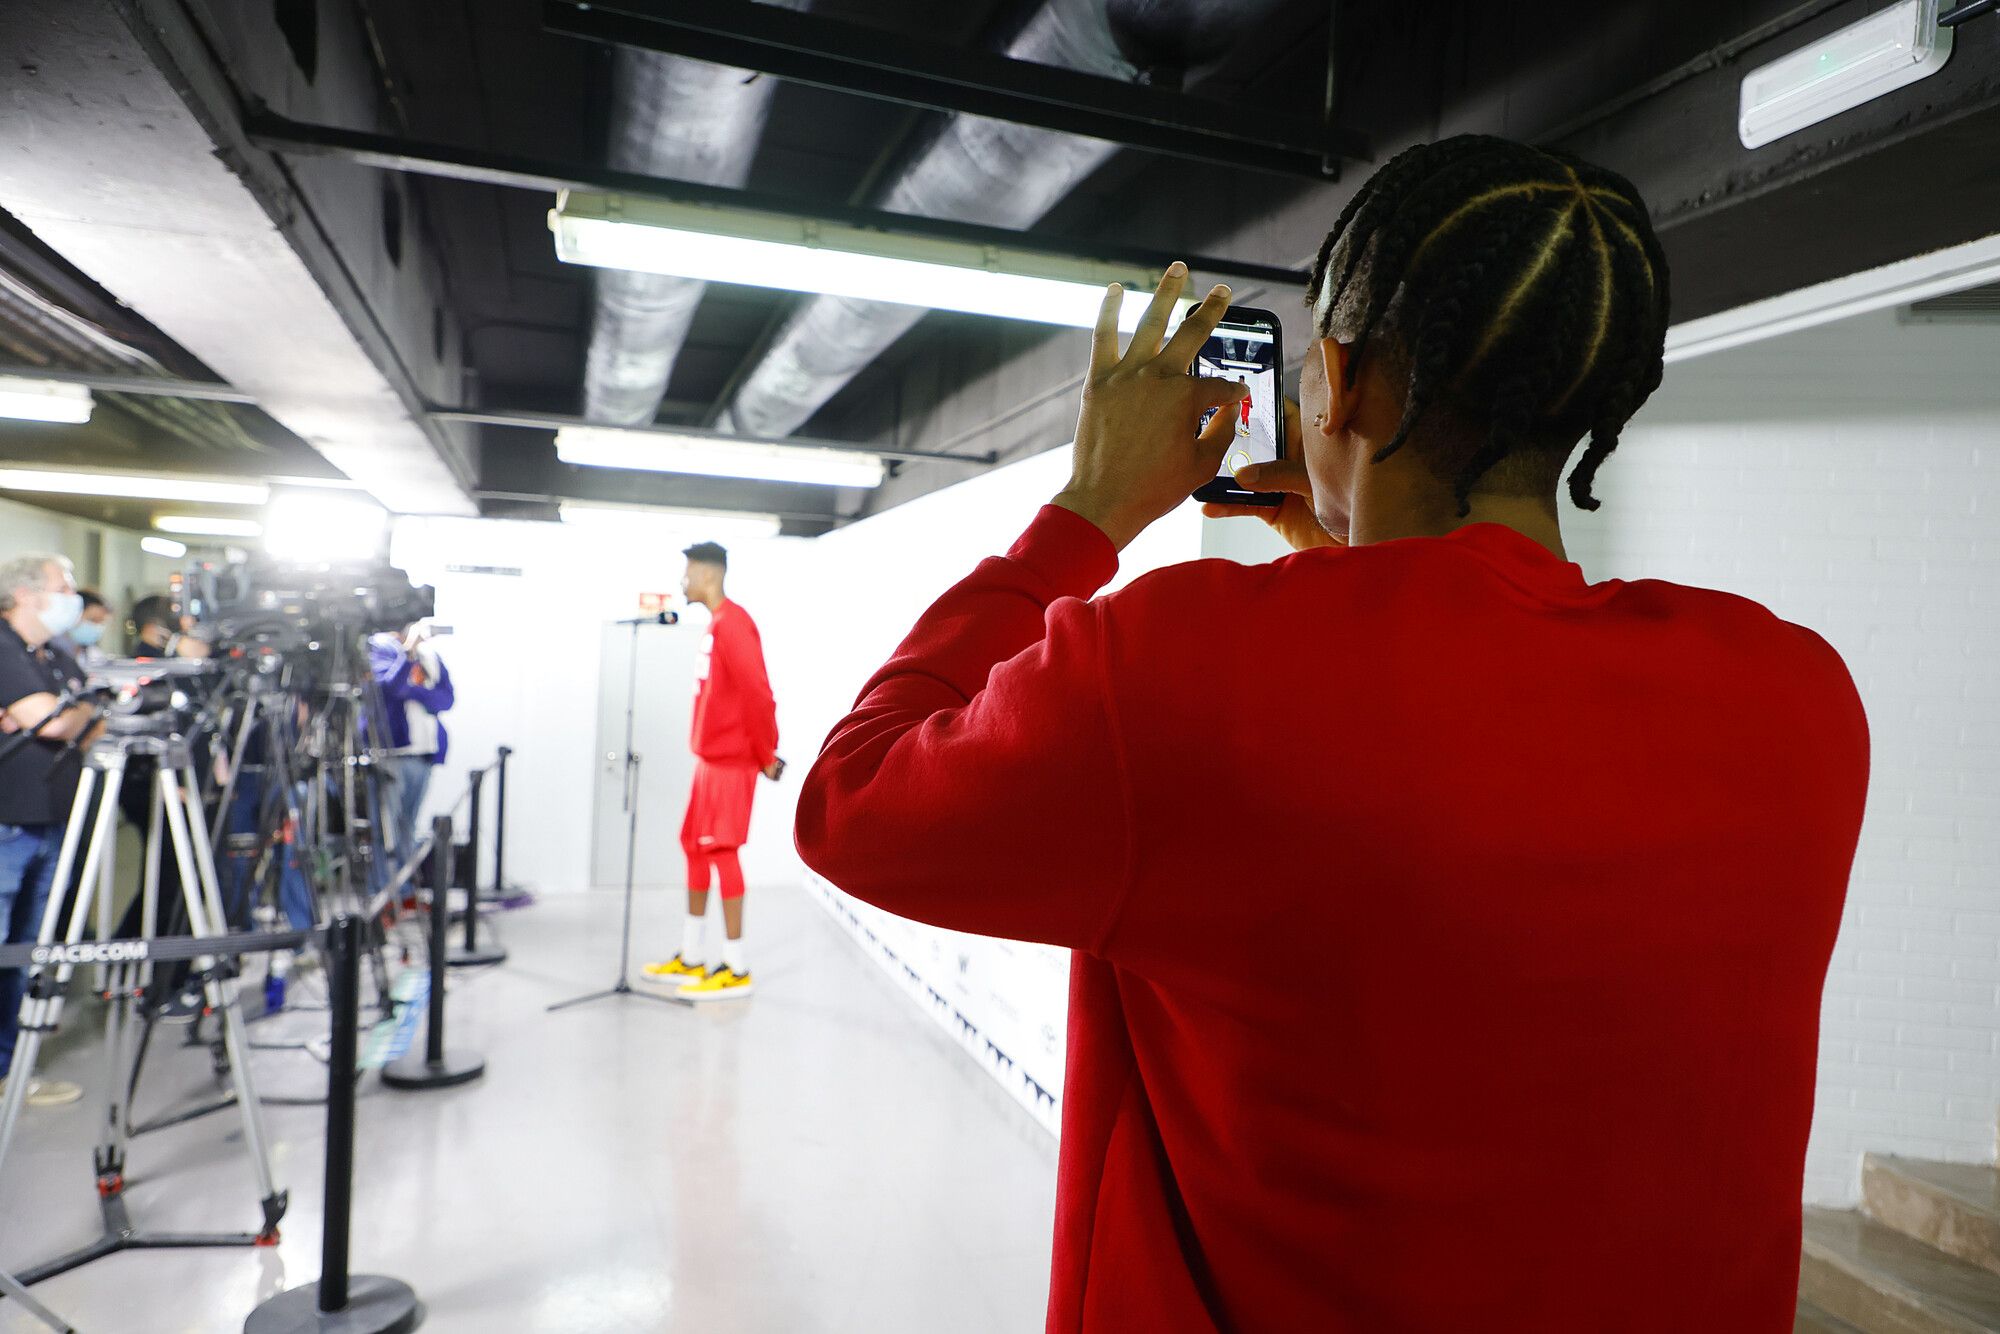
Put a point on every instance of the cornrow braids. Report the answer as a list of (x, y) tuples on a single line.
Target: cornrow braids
[(1520, 290)]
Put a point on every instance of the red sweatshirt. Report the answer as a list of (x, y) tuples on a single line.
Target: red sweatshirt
[(735, 718), (1449, 931)]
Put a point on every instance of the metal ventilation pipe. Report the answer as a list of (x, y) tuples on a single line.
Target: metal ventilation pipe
[(978, 170), (691, 121)]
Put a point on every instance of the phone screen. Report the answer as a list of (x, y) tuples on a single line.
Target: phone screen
[(1245, 347)]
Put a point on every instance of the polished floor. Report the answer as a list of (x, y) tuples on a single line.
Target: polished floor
[(816, 1158)]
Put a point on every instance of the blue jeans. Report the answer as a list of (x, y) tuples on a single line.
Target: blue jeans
[(294, 898), (409, 779), (27, 869)]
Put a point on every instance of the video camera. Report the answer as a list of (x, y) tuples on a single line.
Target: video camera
[(138, 692), (290, 605)]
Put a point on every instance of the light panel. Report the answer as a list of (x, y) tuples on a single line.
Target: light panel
[(44, 401), (163, 546), (133, 486), (756, 249), (201, 525), (705, 456), (736, 525), (322, 526), (1861, 62)]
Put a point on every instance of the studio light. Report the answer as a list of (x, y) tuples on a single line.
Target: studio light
[(736, 525), (44, 401), (133, 486), (758, 249), (313, 526), (1859, 63), (706, 456), (201, 525), (163, 546)]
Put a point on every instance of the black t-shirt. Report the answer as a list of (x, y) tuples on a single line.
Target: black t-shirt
[(38, 781)]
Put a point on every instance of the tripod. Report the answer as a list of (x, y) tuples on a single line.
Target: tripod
[(176, 808), (623, 986)]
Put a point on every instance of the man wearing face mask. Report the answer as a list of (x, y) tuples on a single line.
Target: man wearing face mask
[(85, 640), (38, 601)]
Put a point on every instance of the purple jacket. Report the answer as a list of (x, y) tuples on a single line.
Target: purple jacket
[(399, 675)]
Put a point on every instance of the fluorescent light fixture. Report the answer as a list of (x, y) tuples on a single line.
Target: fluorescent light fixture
[(315, 526), (163, 546), (734, 524), (133, 486), (711, 456), (44, 401), (1879, 54), (201, 525), (757, 249)]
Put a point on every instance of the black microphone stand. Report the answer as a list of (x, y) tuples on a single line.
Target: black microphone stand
[(623, 986)]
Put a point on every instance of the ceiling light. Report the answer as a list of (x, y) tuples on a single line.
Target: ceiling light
[(755, 249), (44, 401), (712, 524), (132, 486), (201, 525), (163, 546), (709, 456), (1857, 64), (319, 527)]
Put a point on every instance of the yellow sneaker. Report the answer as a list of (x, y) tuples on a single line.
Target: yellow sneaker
[(722, 984), (676, 969)]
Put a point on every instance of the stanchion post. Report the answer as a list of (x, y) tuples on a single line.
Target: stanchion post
[(344, 1044), (470, 953), (436, 1068), (500, 826), (350, 1304)]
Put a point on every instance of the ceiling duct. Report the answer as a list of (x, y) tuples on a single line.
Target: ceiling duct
[(687, 120), (977, 170)]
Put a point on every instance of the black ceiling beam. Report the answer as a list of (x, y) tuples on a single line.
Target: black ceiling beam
[(277, 134), (868, 62)]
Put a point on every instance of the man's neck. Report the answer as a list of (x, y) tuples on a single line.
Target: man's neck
[(713, 602), (1388, 515), (28, 626)]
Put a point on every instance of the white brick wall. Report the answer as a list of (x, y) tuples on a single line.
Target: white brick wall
[(1849, 478)]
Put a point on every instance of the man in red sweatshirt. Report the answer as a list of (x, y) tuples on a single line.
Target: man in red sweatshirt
[(1448, 930), (735, 738)]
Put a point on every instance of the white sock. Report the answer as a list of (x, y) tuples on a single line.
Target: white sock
[(694, 946), (732, 956)]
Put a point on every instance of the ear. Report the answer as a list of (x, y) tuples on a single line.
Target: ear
[(1342, 401)]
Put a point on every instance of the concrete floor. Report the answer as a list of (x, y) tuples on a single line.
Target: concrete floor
[(816, 1158)]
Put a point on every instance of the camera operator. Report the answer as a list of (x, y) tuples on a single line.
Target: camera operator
[(416, 688), (38, 601), (160, 630)]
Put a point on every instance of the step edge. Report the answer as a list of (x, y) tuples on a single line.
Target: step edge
[(1896, 1166), (1887, 1285)]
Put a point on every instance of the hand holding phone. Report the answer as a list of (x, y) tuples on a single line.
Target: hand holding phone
[(1140, 445)]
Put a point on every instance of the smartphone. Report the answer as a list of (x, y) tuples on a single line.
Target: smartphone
[(1245, 346)]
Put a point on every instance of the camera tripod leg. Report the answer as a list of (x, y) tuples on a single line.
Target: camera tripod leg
[(13, 1291), (204, 897), (41, 1007)]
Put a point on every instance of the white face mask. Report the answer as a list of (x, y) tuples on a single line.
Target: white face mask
[(62, 613)]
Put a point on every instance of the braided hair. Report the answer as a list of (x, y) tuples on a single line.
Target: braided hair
[(1520, 292)]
